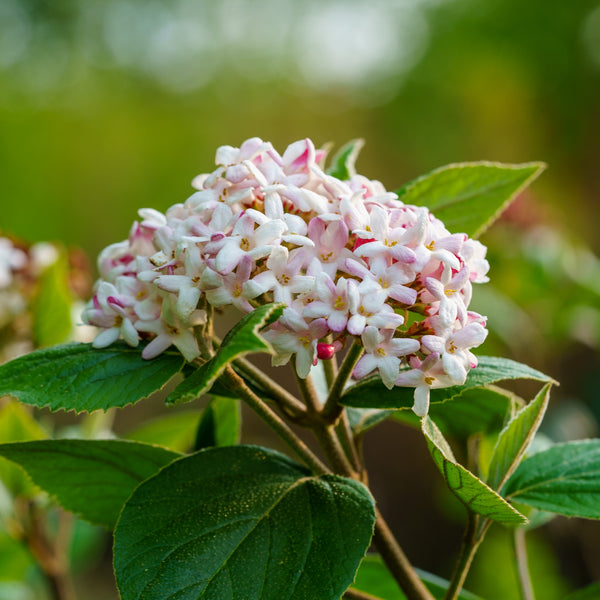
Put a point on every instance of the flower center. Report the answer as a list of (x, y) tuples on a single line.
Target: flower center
[(339, 303), (244, 245), (429, 380)]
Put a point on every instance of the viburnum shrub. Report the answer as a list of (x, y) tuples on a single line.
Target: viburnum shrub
[(366, 294)]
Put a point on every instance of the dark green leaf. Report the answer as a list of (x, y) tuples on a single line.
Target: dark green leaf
[(220, 424), (93, 478), (468, 197), (52, 323), (243, 339), (373, 577), (564, 479), (175, 432), (591, 592), (476, 410), (470, 490), (342, 163), (243, 523), (82, 378), (371, 393), (515, 438)]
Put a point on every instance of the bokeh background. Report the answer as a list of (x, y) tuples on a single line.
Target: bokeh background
[(107, 106)]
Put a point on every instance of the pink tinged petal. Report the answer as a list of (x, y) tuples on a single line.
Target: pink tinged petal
[(448, 311), (228, 258), (403, 294), (421, 403), (364, 366), (470, 336), (388, 369), (318, 328), (403, 346), (371, 338), (156, 346), (148, 309), (304, 361), (301, 284), (187, 302), (293, 319), (411, 378), (337, 320), (187, 345), (434, 343), (255, 287), (219, 296), (356, 324), (454, 368), (129, 333), (172, 283), (317, 309), (106, 337)]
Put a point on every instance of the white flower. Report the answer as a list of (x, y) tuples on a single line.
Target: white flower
[(382, 352)]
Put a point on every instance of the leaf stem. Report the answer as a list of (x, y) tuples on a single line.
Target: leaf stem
[(470, 544), (354, 594), (520, 550), (397, 562), (285, 399), (332, 409), (237, 384)]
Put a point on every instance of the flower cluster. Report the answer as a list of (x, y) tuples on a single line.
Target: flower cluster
[(348, 259), (25, 278)]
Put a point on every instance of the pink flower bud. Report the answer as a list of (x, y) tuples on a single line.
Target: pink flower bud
[(325, 351)]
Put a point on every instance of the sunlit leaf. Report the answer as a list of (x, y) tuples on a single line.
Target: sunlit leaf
[(80, 377), (515, 438), (469, 489), (564, 479), (342, 163), (243, 523), (469, 197)]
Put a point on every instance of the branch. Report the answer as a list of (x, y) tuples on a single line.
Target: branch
[(237, 384)]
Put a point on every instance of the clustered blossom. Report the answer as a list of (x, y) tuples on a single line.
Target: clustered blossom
[(348, 259)]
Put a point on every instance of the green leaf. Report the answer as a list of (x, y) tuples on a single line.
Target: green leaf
[(220, 424), (175, 432), (82, 378), (591, 592), (52, 323), (342, 163), (469, 197), (476, 410), (371, 393), (363, 419), (373, 577), (471, 491), (92, 478), (243, 339), (564, 479), (243, 523), (17, 425), (515, 438)]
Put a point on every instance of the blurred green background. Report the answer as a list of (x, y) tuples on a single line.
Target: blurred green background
[(109, 106)]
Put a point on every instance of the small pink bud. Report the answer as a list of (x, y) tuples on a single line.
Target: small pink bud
[(325, 351)]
